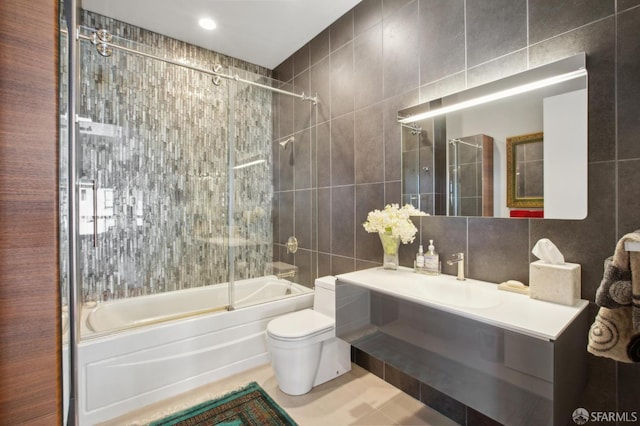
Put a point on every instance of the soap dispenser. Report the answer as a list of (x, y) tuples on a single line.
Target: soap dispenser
[(419, 265), (431, 260)]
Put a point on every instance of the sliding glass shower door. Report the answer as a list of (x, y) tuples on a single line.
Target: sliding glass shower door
[(184, 180), (153, 177), (272, 201), (176, 176)]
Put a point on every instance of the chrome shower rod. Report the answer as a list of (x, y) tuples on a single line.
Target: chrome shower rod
[(473, 145), (105, 42)]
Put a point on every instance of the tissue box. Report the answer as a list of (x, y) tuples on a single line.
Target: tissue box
[(554, 283)]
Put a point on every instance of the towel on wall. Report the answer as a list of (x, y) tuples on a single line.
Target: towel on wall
[(620, 284), (615, 332)]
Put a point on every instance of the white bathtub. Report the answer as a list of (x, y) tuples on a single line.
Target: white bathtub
[(140, 311), (175, 350)]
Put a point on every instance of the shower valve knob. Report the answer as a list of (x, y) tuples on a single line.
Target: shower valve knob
[(292, 245)]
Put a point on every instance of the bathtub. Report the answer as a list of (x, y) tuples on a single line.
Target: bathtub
[(170, 343), (140, 311)]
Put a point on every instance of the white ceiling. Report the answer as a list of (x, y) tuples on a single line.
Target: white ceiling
[(263, 32)]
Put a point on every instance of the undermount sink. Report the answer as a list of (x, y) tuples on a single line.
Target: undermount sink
[(448, 290), (485, 302), (443, 290)]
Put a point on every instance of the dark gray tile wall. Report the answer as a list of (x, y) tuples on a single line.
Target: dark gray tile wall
[(626, 4), (365, 15), (342, 220), (342, 80), (548, 18), (367, 51), (442, 28), (494, 28), (342, 151), (628, 88), (427, 51), (368, 198), (400, 50), (369, 157)]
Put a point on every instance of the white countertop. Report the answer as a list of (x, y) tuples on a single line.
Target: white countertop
[(478, 300)]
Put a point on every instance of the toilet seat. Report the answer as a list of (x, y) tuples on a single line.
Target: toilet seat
[(300, 325)]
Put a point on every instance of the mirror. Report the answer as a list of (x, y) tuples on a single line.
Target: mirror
[(449, 167)]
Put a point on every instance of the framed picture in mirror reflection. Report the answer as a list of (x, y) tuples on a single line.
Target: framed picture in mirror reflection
[(525, 166)]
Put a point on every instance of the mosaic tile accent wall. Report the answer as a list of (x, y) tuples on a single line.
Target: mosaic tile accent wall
[(157, 150)]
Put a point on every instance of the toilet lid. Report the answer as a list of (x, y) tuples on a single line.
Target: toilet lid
[(300, 324)]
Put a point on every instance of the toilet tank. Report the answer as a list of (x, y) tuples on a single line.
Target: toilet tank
[(324, 300)]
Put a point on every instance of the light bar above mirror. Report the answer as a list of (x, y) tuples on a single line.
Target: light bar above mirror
[(536, 78), (539, 84)]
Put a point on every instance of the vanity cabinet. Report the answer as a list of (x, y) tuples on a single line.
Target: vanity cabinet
[(508, 374)]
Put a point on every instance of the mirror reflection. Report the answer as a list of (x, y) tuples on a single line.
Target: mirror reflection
[(470, 176), (455, 150), (525, 171)]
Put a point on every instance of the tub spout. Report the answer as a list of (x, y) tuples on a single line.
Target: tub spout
[(459, 259), (106, 295)]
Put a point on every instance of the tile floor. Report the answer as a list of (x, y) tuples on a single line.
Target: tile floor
[(355, 398)]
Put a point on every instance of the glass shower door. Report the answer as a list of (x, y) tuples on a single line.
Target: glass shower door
[(269, 175), (153, 178), (418, 167), (470, 176), (250, 168)]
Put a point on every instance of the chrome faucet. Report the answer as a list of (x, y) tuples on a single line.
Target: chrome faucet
[(459, 259)]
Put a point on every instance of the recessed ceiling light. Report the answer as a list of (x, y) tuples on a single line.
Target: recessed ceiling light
[(207, 23)]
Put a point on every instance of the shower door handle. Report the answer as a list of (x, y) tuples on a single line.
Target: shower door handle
[(95, 214), (91, 184)]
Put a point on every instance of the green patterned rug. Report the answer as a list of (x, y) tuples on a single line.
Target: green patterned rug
[(248, 406)]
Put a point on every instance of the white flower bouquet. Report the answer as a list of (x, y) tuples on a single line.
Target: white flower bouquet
[(394, 220)]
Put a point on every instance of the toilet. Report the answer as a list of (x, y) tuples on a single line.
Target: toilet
[(304, 349)]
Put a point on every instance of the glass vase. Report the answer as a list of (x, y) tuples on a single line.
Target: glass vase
[(390, 245)]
